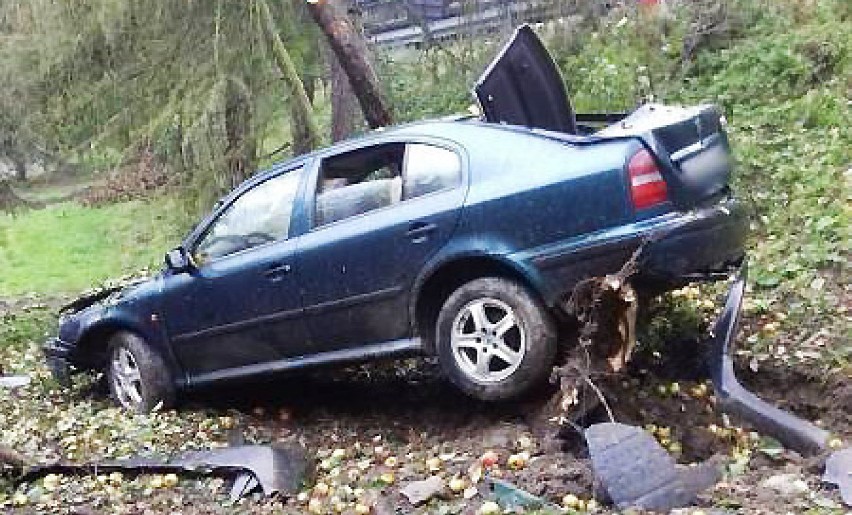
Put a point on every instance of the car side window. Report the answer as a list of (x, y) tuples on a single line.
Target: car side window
[(429, 168), (260, 215), (357, 182)]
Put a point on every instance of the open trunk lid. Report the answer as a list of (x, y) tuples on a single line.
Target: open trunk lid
[(522, 86)]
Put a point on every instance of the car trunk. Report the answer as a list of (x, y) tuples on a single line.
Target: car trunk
[(522, 86)]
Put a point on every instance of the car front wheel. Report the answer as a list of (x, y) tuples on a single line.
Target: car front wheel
[(495, 339), (138, 377)]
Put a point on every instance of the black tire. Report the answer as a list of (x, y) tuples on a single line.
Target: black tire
[(152, 382), (535, 329)]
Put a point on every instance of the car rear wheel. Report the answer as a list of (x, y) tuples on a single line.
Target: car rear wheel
[(138, 377), (495, 339)]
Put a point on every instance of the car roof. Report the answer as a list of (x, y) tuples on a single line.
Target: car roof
[(463, 130)]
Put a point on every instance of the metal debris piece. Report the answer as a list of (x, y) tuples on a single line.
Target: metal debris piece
[(14, 381), (636, 472), (792, 431), (838, 471), (420, 492), (276, 469), (510, 497), (244, 484)]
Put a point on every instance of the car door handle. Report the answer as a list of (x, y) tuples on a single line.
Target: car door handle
[(277, 270), (419, 231)]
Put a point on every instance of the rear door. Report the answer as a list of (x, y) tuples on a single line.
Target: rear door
[(379, 212)]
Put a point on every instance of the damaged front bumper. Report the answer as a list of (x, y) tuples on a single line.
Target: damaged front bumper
[(57, 355), (733, 398)]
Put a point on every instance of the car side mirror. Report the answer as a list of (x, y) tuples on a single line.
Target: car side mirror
[(177, 260)]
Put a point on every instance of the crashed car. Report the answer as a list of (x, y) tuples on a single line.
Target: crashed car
[(458, 238)]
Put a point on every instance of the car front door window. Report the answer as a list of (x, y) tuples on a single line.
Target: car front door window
[(260, 215)]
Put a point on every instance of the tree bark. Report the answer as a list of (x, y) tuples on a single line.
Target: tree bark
[(303, 121), (350, 47), (240, 147), (345, 114)]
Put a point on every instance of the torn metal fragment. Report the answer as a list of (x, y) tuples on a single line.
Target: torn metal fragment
[(636, 472), (420, 492), (838, 471), (276, 469), (244, 484)]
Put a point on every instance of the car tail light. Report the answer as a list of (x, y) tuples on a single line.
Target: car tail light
[(647, 187)]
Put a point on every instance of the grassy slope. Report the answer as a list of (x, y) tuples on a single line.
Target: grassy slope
[(67, 247), (783, 80)]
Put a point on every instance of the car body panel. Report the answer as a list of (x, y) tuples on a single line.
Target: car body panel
[(538, 203), (358, 271), (522, 86)]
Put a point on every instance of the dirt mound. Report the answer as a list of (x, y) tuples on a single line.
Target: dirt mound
[(136, 179)]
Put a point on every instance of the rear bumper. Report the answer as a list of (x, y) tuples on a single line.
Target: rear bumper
[(733, 398), (706, 243)]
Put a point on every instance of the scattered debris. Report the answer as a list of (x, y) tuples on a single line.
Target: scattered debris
[(786, 485), (14, 381), (139, 177), (636, 472), (275, 469), (838, 471), (795, 433), (420, 492), (513, 498)]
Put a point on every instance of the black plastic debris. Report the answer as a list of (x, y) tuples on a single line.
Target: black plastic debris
[(636, 472), (792, 431), (274, 469), (838, 471)]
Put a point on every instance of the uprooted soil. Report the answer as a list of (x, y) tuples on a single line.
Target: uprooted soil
[(412, 414), (407, 412)]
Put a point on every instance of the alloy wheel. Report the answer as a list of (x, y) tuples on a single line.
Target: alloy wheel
[(487, 340), (126, 378)]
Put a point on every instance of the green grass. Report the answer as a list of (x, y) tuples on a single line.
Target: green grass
[(67, 247)]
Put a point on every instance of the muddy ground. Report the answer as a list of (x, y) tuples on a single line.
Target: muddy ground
[(393, 418)]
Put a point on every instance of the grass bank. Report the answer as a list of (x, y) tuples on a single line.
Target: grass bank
[(66, 247)]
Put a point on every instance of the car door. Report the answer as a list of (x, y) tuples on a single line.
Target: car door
[(239, 305), (379, 212)]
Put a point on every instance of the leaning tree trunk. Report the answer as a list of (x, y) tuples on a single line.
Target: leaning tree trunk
[(350, 47), (303, 120), (345, 114), (240, 147)]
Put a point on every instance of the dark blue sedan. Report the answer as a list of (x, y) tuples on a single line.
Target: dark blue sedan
[(457, 238)]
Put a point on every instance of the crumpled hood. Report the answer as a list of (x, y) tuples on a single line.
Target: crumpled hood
[(115, 290)]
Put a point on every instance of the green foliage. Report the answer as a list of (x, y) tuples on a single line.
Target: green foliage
[(66, 247), (434, 82), (18, 329), (89, 81)]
